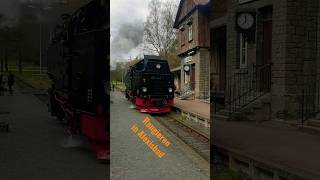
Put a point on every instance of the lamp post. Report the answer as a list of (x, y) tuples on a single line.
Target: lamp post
[(40, 48), (40, 19)]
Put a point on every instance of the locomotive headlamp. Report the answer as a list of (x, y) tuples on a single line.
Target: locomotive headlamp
[(144, 89), (170, 90), (158, 66)]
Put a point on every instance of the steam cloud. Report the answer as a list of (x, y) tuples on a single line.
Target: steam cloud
[(126, 41)]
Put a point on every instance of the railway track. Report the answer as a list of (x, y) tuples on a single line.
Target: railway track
[(193, 138)]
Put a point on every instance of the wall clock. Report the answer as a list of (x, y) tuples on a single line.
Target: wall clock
[(245, 20), (186, 68)]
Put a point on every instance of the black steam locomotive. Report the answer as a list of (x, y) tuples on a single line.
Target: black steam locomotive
[(78, 67), (150, 85)]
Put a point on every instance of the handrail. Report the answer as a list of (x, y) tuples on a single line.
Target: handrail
[(186, 90), (244, 88)]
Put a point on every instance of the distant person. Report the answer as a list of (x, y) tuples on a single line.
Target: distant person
[(112, 87), (10, 82)]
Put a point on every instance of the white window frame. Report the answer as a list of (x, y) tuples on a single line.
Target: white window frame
[(190, 32), (243, 49), (182, 36), (186, 77)]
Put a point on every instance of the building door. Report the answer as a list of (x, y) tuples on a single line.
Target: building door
[(218, 59), (265, 68), (193, 76)]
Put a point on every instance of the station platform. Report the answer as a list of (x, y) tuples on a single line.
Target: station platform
[(281, 149), (198, 110), (32, 147)]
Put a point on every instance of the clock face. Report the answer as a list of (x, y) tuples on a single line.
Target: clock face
[(186, 68), (245, 20)]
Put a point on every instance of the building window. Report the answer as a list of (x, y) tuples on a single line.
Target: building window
[(182, 35), (190, 32), (243, 51)]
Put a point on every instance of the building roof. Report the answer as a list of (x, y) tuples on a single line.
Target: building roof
[(199, 4)]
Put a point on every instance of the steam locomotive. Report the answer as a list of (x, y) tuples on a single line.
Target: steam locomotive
[(150, 85), (78, 67)]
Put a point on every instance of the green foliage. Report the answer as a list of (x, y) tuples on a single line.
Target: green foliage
[(34, 79), (119, 72), (119, 85), (182, 118)]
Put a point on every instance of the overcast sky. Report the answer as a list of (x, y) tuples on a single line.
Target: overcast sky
[(126, 24)]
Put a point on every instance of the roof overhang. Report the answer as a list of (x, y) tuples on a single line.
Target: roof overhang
[(204, 8)]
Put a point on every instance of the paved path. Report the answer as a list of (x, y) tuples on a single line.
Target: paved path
[(197, 107), (272, 142), (32, 149), (131, 159)]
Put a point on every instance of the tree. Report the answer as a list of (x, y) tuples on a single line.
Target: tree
[(10, 39), (118, 73), (159, 34)]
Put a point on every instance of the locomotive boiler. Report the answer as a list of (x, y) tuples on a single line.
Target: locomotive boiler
[(150, 85), (78, 67)]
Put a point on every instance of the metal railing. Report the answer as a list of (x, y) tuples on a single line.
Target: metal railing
[(246, 86), (187, 90), (310, 99), (243, 87)]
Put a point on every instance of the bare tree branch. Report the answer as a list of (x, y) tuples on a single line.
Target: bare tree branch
[(158, 29)]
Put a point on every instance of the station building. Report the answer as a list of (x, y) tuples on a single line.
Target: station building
[(192, 22), (266, 48)]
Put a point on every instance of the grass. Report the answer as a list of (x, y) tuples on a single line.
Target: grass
[(182, 118), (119, 85), (34, 78)]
